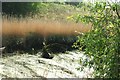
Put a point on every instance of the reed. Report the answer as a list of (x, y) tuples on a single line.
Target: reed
[(22, 27), (28, 33)]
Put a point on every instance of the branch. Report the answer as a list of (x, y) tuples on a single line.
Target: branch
[(116, 9)]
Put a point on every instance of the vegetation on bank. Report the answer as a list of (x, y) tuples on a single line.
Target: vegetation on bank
[(23, 31), (102, 43)]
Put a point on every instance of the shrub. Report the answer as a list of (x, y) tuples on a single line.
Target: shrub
[(102, 43), (61, 40), (33, 41), (12, 43), (58, 43), (19, 8)]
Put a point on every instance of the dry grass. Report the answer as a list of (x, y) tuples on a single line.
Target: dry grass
[(22, 27)]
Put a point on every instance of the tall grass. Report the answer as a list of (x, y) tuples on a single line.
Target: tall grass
[(14, 26), (28, 33)]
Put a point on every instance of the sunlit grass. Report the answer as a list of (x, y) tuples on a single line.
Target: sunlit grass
[(14, 26)]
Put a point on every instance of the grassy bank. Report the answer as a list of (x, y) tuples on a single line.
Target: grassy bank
[(27, 33)]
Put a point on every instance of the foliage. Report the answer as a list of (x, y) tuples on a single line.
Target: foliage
[(12, 43), (101, 44), (34, 41), (19, 8), (72, 3), (37, 9)]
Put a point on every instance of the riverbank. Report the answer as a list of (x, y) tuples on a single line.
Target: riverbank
[(32, 66)]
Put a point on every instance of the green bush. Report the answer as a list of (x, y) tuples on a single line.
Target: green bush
[(20, 8), (102, 43)]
